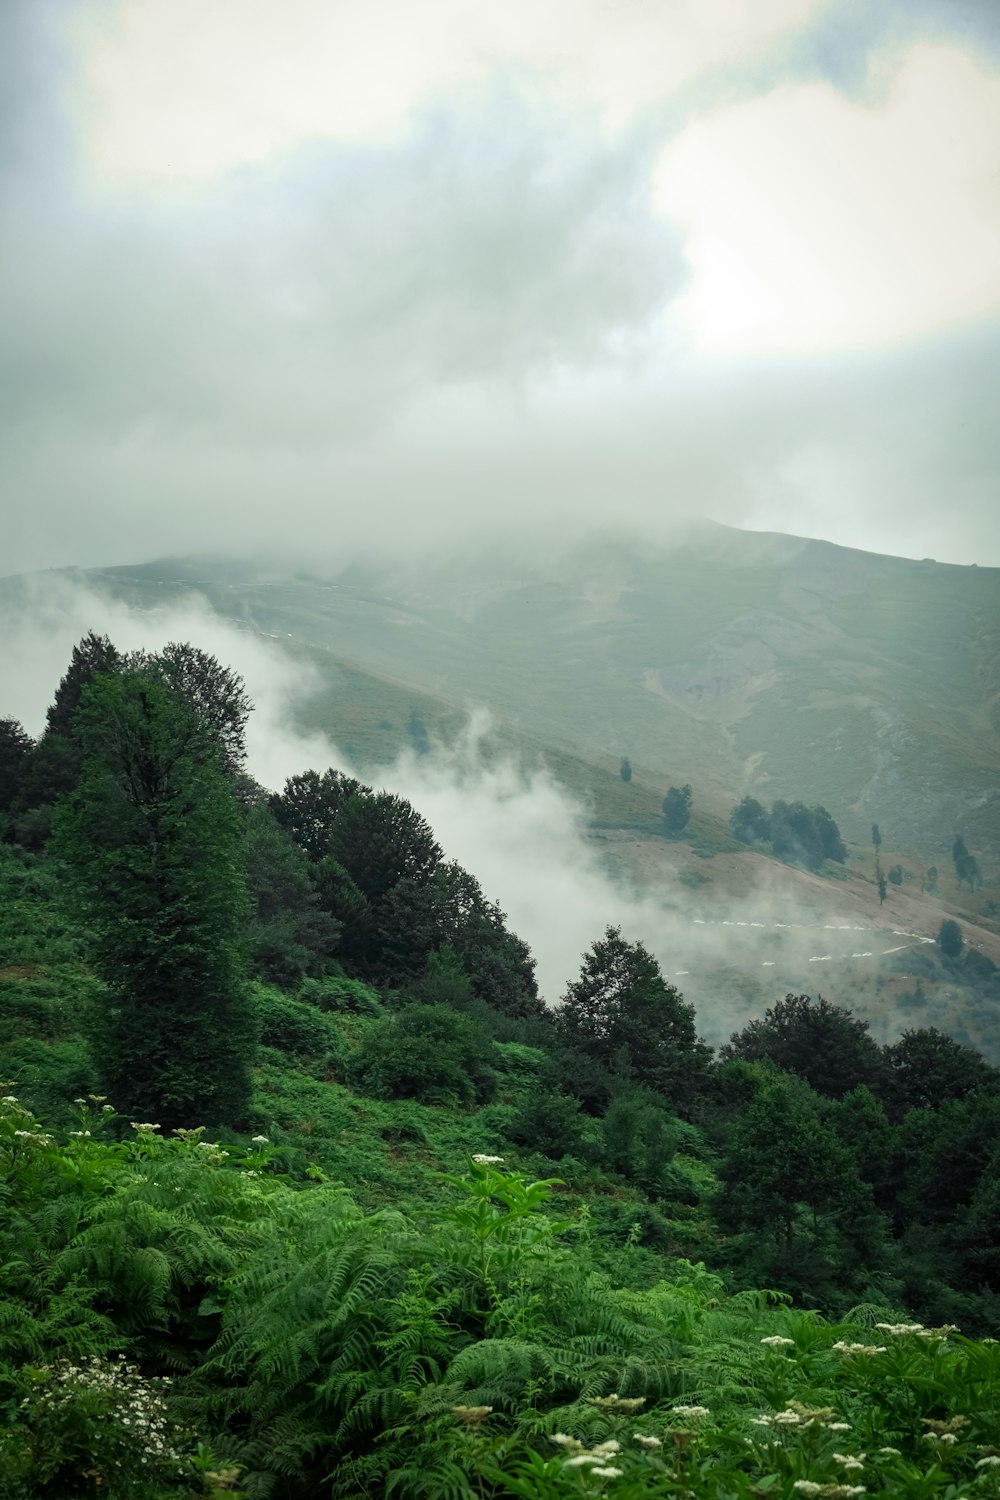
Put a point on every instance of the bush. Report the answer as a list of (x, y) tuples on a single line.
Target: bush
[(427, 1052), (292, 1026), (337, 993)]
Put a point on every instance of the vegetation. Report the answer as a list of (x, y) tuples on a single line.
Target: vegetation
[(800, 834), (306, 1195)]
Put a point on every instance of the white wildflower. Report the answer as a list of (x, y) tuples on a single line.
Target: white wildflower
[(776, 1341), (838, 1426), (807, 1487), (482, 1160), (143, 1127), (260, 1140), (987, 1463), (848, 1461), (649, 1443), (899, 1329), (608, 1472), (579, 1460), (690, 1411), (890, 1453)]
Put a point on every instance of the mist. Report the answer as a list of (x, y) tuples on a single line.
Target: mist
[(521, 833)]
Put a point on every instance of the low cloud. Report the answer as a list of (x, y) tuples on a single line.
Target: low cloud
[(516, 828)]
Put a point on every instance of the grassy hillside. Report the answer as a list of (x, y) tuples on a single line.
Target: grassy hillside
[(740, 663)]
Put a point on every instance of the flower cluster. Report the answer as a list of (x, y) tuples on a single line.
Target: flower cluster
[(690, 1411), (899, 1330), (833, 1491), (843, 1348), (482, 1160), (135, 1427), (594, 1459), (797, 1415), (624, 1405), (777, 1341), (471, 1415)]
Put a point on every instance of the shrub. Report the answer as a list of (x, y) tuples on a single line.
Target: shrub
[(427, 1052)]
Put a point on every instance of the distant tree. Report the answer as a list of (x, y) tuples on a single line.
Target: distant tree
[(417, 730), (625, 770), (825, 1044), (950, 939), (966, 865), (930, 881), (896, 875), (876, 837), (309, 806), (150, 841), (750, 822), (677, 809), (880, 882), (621, 1007)]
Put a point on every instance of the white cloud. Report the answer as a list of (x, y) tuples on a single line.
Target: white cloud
[(182, 90), (821, 223)]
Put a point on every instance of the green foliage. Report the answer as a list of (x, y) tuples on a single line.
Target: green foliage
[(293, 1026), (426, 1052), (950, 939), (291, 935), (823, 1043), (621, 1006), (677, 809), (149, 839), (625, 770), (804, 835)]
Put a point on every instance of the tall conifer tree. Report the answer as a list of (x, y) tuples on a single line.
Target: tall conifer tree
[(150, 837)]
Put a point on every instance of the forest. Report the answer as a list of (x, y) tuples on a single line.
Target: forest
[(308, 1193)]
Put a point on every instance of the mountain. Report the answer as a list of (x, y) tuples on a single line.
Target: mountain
[(739, 662)]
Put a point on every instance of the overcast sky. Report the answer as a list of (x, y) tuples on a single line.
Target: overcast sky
[(311, 276)]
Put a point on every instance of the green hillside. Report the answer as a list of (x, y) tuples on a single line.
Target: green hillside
[(737, 662)]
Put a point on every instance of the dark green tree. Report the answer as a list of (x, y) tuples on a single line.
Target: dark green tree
[(896, 875), (677, 809), (290, 934), (876, 837), (926, 1067), (931, 880), (621, 1007), (822, 1043), (380, 839), (309, 806), (625, 769), (750, 821), (150, 838), (880, 882), (950, 939), (15, 743), (966, 865), (215, 693), (93, 654)]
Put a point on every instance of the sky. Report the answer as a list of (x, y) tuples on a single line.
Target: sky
[(313, 278)]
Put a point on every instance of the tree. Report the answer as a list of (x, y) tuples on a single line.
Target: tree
[(677, 809), (216, 694), (309, 806), (876, 837), (750, 821), (625, 770), (150, 838), (93, 654), (291, 935), (15, 743), (880, 882), (966, 864), (950, 939), (931, 880), (896, 875), (417, 730), (926, 1067), (823, 1043), (621, 1006), (380, 839)]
